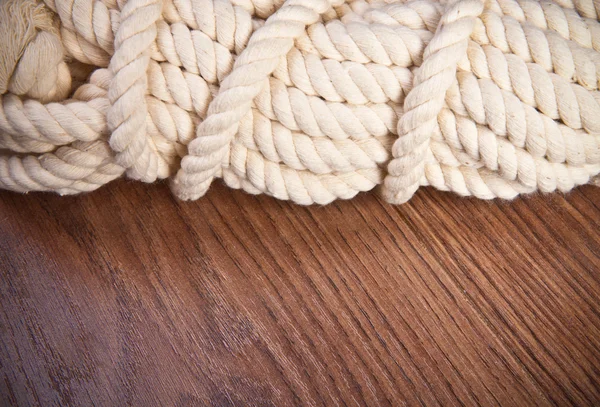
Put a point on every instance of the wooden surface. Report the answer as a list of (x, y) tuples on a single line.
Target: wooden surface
[(127, 297)]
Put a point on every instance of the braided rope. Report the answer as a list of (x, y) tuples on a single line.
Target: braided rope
[(304, 100)]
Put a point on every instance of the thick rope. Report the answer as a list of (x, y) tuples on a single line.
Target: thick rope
[(304, 100)]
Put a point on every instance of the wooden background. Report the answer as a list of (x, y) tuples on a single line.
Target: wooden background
[(127, 297)]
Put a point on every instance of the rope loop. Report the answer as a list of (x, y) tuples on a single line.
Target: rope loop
[(303, 100)]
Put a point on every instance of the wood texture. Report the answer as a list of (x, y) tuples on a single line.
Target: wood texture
[(128, 297)]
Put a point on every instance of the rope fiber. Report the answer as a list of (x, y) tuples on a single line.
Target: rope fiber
[(304, 100)]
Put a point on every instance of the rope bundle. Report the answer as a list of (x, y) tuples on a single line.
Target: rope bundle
[(307, 100)]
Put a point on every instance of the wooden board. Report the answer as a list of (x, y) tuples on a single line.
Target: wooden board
[(127, 297)]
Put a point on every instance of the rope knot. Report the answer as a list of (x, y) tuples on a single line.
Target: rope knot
[(306, 100), (32, 62)]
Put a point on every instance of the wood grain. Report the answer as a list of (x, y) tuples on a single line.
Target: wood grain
[(127, 297)]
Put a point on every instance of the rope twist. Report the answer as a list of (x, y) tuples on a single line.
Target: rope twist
[(305, 100)]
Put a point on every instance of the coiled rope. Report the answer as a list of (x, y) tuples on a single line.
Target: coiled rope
[(306, 100)]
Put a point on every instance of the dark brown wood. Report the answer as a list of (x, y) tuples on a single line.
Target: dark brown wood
[(127, 297)]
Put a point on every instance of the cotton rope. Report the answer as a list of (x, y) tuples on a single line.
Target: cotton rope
[(305, 100)]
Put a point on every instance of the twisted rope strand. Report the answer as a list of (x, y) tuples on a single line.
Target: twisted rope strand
[(257, 61), (425, 100), (309, 101)]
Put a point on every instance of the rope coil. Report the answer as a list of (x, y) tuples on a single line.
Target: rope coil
[(304, 100)]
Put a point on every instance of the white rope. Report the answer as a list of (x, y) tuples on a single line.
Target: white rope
[(304, 100)]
